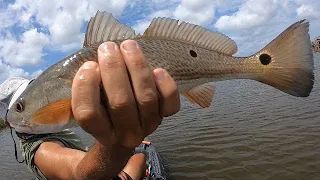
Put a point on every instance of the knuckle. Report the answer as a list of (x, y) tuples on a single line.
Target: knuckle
[(85, 95), (85, 114), (147, 97), (138, 62), (114, 62), (120, 101)]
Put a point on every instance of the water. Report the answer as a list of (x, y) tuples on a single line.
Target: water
[(250, 132)]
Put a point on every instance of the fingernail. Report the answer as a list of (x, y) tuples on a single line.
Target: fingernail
[(160, 74), (88, 65), (107, 47), (130, 45)]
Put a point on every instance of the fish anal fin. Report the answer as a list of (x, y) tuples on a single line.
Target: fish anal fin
[(59, 112), (170, 29), (104, 27), (201, 95)]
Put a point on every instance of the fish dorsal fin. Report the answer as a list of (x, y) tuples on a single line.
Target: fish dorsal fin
[(104, 27), (201, 95), (189, 33)]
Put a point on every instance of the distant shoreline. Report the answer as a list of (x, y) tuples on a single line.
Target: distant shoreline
[(316, 45)]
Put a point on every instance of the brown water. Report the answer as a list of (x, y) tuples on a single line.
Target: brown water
[(252, 131)]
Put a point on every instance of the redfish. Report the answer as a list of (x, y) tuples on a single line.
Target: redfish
[(192, 55)]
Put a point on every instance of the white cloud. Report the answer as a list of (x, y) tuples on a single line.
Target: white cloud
[(64, 19), (7, 19), (251, 14), (27, 50), (161, 13), (7, 71), (65, 28), (256, 23), (142, 25), (40, 23), (61, 21), (229, 6), (200, 12), (308, 12)]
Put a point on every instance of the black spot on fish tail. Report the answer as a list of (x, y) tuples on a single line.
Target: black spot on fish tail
[(265, 59)]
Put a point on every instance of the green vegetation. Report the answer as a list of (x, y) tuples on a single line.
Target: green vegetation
[(2, 124)]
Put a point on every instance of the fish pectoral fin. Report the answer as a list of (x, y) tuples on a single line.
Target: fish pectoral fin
[(104, 27), (201, 95), (170, 29), (54, 113)]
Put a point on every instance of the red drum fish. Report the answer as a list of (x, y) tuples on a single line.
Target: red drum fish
[(192, 55)]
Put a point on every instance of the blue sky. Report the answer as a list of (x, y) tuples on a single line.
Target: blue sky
[(34, 34)]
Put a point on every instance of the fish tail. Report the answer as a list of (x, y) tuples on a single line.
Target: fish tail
[(287, 61)]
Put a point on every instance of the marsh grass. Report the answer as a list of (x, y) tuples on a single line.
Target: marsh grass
[(2, 124)]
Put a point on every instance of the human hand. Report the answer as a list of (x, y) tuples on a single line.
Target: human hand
[(136, 97)]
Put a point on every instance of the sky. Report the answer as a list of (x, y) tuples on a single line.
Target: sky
[(34, 34)]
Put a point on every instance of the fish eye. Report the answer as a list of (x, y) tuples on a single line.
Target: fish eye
[(193, 53), (19, 106), (265, 59)]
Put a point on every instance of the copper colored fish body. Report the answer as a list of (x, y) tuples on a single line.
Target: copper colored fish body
[(192, 55)]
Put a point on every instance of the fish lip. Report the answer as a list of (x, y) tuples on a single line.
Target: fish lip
[(19, 127)]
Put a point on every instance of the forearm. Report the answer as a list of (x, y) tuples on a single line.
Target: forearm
[(58, 162), (102, 162)]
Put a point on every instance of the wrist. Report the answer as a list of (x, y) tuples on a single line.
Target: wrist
[(102, 161), (118, 155), (115, 149)]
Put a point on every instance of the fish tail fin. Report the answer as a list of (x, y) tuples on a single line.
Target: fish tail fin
[(288, 61)]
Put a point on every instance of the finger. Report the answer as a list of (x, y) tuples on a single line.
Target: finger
[(122, 106), (169, 94), (86, 99), (143, 85)]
